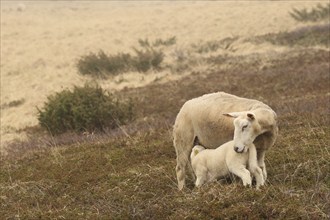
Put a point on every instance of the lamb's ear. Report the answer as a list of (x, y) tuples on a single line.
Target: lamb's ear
[(251, 116), (232, 114)]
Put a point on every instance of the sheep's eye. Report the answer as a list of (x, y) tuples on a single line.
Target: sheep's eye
[(245, 126)]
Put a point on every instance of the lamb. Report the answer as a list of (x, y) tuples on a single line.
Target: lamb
[(207, 118), (210, 164)]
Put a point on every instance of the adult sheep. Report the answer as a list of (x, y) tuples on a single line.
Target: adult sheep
[(206, 117)]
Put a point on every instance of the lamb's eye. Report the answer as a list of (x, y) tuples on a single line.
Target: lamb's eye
[(243, 128)]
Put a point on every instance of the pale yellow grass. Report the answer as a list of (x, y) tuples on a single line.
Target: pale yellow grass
[(41, 42)]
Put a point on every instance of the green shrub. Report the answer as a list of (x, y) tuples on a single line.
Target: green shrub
[(87, 108), (318, 13), (102, 64), (147, 59)]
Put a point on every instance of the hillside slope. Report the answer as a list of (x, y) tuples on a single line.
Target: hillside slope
[(129, 172), (41, 44)]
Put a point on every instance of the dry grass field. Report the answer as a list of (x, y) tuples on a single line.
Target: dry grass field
[(250, 49), (41, 43)]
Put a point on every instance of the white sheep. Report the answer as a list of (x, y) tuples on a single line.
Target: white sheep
[(205, 117), (210, 164)]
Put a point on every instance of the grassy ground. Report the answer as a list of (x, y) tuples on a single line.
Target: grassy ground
[(130, 174)]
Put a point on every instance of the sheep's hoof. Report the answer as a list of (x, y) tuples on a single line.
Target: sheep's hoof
[(259, 186), (247, 185), (181, 185)]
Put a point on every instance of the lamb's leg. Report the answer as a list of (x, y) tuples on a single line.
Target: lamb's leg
[(254, 168), (201, 174), (201, 178), (242, 173)]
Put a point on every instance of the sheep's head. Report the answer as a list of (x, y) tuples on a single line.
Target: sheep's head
[(246, 130)]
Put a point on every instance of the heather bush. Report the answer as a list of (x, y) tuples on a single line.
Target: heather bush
[(87, 108)]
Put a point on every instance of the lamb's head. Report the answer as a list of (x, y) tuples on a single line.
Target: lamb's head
[(246, 130)]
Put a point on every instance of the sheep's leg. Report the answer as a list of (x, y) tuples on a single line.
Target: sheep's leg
[(257, 173), (254, 168), (264, 142), (182, 164), (242, 173), (181, 172), (180, 175), (183, 143), (261, 163)]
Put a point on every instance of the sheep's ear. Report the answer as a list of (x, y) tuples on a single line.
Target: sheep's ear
[(251, 116), (232, 114)]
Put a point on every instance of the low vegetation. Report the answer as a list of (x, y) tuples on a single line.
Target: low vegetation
[(158, 42), (314, 35), (87, 108), (12, 104), (101, 64), (129, 173), (318, 13), (147, 59), (213, 46)]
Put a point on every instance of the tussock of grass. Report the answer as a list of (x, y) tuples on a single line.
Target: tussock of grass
[(132, 175)]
